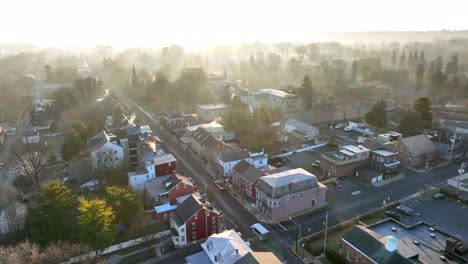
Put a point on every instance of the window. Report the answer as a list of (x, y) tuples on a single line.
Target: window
[(165, 216), (196, 217), (115, 152), (116, 158), (194, 235), (302, 195), (293, 197), (110, 151), (349, 255), (182, 230), (313, 202), (213, 220), (177, 187), (183, 238), (147, 176), (194, 225), (176, 239)]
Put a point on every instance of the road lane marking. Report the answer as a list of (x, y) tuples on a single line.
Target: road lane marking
[(282, 227), (356, 193)]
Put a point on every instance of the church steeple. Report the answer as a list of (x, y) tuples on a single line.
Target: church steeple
[(225, 80), (134, 78)]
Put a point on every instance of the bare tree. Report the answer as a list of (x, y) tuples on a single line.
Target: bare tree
[(27, 252), (30, 158), (284, 48), (15, 212)]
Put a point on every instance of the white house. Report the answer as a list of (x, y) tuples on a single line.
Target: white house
[(153, 164), (228, 161), (107, 152), (301, 130)]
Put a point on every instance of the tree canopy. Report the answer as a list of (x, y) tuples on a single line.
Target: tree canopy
[(377, 115), (125, 205)]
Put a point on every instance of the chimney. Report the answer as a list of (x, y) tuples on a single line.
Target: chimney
[(291, 187), (237, 251), (391, 244)]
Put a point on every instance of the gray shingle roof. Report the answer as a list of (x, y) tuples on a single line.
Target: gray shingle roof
[(248, 171), (99, 140), (367, 242), (418, 145), (301, 125), (291, 181), (235, 155), (187, 208)]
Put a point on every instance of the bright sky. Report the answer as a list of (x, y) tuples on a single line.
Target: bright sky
[(194, 22)]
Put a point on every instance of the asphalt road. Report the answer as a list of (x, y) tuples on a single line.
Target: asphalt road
[(234, 215), (343, 204)]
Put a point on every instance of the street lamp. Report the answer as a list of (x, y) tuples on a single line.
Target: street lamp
[(298, 234)]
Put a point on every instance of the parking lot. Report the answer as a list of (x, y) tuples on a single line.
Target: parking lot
[(306, 158), (448, 214)]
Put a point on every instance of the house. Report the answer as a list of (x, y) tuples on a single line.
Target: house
[(301, 130), (13, 219), (287, 193), (345, 161), (227, 161), (192, 221), (177, 120), (245, 177), (31, 137), (382, 139), (166, 189), (107, 151), (278, 100), (383, 164), (214, 128), (153, 164), (210, 112), (163, 211), (205, 144), (229, 248), (391, 242), (415, 151)]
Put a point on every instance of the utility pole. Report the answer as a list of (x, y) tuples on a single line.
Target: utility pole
[(460, 172), (326, 229), (298, 233)]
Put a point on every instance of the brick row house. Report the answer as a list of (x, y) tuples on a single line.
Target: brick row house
[(245, 177), (345, 161), (193, 220), (177, 120), (227, 161), (287, 193)]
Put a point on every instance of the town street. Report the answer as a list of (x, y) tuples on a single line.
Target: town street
[(343, 204)]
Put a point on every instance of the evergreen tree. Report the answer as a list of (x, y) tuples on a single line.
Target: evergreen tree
[(377, 115), (419, 77), (354, 72), (53, 217), (394, 59), (452, 65), (402, 60), (410, 124), (423, 107), (306, 90)]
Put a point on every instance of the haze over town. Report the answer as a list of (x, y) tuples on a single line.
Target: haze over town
[(233, 132)]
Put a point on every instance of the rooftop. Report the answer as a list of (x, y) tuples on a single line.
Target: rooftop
[(248, 171), (234, 155), (164, 208), (301, 126), (212, 106), (274, 92), (384, 152), (291, 181), (156, 158), (355, 149), (228, 246), (163, 184)]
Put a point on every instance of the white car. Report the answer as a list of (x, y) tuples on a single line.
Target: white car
[(348, 128), (338, 126)]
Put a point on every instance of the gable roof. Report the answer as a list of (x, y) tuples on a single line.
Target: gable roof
[(291, 181), (99, 140), (164, 184), (368, 243), (418, 145), (301, 125), (211, 142), (234, 155), (188, 208), (248, 171), (224, 245)]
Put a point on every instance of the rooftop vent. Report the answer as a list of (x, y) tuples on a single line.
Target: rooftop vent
[(431, 229), (394, 229), (432, 235)]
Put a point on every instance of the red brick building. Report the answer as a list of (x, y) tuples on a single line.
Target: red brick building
[(177, 120), (245, 177), (193, 220)]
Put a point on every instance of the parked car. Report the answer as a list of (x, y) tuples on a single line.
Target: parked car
[(348, 128), (405, 210), (315, 165), (338, 126), (438, 196)]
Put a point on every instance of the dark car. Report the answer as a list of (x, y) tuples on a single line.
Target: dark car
[(438, 196)]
